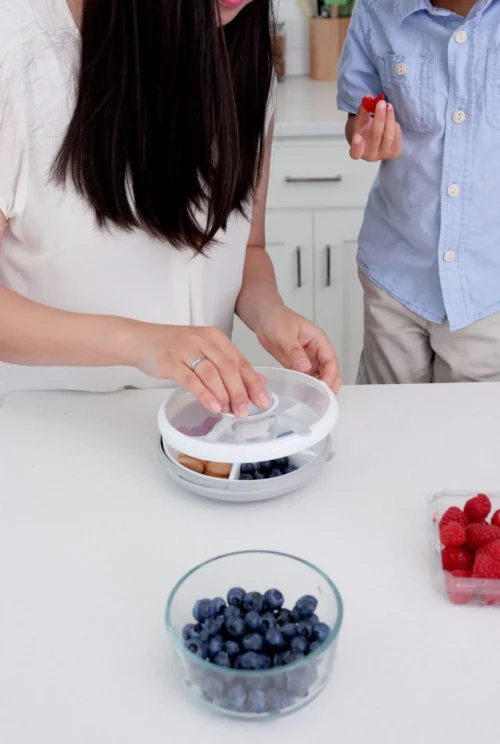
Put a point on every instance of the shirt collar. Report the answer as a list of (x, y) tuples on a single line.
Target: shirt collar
[(406, 8)]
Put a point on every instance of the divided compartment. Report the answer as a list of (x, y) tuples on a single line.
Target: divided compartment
[(308, 465), (459, 590), (300, 460), (192, 476)]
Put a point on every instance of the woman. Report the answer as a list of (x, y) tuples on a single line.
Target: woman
[(135, 140)]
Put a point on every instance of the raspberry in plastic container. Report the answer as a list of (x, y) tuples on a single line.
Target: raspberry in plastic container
[(475, 581)]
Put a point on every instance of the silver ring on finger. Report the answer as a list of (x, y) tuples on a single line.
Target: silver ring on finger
[(196, 362)]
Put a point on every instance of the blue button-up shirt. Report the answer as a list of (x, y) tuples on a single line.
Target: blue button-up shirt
[(431, 233)]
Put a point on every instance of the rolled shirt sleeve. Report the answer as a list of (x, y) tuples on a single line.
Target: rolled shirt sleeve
[(13, 149), (357, 75)]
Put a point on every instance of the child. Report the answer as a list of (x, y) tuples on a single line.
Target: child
[(429, 248)]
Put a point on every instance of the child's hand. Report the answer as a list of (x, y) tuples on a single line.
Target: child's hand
[(376, 137)]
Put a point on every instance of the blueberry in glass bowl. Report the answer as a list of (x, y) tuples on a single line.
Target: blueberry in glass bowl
[(265, 646)]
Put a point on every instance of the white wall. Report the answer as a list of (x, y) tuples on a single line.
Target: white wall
[(297, 29)]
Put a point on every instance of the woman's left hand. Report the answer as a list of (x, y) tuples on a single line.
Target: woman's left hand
[(299, 344)]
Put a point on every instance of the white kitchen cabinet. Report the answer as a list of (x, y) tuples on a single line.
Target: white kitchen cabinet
[(338, 297), (329, 293), (315, 209), (289, 242)]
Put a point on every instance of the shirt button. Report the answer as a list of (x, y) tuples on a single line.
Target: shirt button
[(454, 189), (459, 117), (401, 68), (461, 37), (449, 256)]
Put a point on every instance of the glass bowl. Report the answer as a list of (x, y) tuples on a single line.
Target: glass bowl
[(269, 693)]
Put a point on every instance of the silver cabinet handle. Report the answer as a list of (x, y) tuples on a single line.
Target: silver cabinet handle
[(328, 265), (299, 268), (313, 179)]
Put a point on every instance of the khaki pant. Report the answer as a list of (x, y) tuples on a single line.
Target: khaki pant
[(401, 347)]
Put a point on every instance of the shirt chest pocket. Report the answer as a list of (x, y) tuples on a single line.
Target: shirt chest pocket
[(410, 85), (493, 88)]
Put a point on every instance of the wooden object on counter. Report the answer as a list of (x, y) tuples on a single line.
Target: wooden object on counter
[(327, 39), (279, 50)]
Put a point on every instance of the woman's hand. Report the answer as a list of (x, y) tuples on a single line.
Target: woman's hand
[(299, 344), (376, 137), (223, 381)]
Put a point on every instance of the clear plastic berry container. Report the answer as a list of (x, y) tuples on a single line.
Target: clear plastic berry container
[(459, 590), (256, 694)]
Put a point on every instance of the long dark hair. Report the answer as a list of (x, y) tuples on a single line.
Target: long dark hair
[(168, 129)]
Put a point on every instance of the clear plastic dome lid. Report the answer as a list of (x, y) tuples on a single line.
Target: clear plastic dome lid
[(303, 412)]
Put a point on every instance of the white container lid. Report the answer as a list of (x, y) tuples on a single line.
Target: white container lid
[(304, 412)]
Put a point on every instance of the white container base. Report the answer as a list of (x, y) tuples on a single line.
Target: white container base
[(308, 463)]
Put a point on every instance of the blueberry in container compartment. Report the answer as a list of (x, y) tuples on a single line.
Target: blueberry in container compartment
[(232, 648), (253, 620), (197, 647), (222, 659), (203, 609), (212, 687), (231, 611), (211, 627), (235, 596), (299, 645), (274, 639), (247, 468), (256, 701), (267, 621), (273, 600), (267, 469), (215, 645), (219, 605), (253, 642), (281, 462), (284, 616), (236, 698), (306, 606), (253, 601), (234, 627), (260, 659)]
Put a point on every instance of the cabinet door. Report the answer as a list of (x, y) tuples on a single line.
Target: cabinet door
[(338, 293), (289, 238)]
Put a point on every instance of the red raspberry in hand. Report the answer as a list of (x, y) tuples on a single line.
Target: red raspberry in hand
[(492, 549), (452, 535), (486, 567), (495, 520), (477, 508), (453, 514), (370, 104), (480, 534), (456, 559)]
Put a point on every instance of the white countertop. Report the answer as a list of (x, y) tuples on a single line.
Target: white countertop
[(93, 536), (307, 108)]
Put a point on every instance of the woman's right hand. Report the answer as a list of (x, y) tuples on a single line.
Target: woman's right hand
[(376, 137), (224, 381)]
